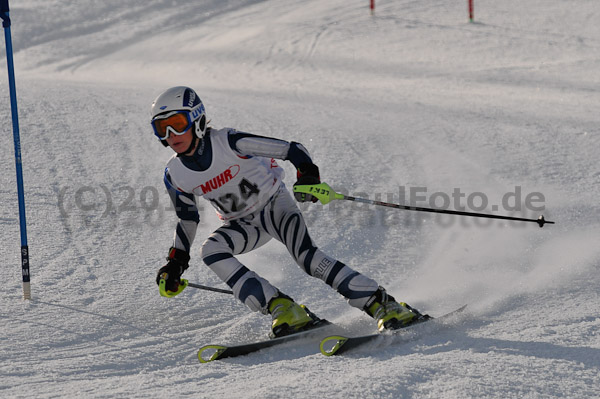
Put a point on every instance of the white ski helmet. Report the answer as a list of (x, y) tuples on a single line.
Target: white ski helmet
[(174, 112)]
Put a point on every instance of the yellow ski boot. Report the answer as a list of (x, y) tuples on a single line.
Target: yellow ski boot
[(391, 315), (288, 316)]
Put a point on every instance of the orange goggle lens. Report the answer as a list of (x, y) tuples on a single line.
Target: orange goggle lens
[(176, 123)]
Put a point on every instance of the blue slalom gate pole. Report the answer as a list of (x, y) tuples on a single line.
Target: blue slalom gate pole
[(4, 14)]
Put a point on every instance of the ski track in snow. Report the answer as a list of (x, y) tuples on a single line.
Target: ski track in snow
[(414, 96)]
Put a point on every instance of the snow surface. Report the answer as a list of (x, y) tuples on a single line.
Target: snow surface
[(414, 96)]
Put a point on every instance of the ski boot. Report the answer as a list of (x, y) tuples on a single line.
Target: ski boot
[(289, 317), (391, 315)]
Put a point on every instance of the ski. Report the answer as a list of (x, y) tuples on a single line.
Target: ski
[(337, 344), (209, 353)]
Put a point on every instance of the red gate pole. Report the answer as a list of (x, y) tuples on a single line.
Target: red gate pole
[(471, 10)]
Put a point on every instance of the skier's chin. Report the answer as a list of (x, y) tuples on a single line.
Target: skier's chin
[(178, 147)]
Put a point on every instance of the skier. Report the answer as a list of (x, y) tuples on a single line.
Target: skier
[(238, 174)]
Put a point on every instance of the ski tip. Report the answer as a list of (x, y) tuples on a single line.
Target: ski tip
[(330, 345), (209, 353)]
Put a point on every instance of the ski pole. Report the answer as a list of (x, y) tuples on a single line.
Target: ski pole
[(203, 287), (324, 193), (182, 286)]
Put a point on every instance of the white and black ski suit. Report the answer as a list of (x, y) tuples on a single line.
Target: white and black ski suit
[(238, 174)]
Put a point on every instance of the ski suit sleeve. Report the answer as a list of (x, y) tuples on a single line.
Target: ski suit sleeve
[(253, 145), (187, 212)]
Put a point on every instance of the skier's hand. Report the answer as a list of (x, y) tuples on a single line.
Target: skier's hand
[(171, 272), (308, 173)]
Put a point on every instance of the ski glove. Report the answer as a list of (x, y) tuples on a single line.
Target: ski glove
[(308, 173), (171, 272)]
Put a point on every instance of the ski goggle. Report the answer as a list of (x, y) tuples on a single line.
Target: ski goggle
[(176, 122)]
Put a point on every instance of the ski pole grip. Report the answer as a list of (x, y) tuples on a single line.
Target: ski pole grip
[(322, 191), (170, 294)]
